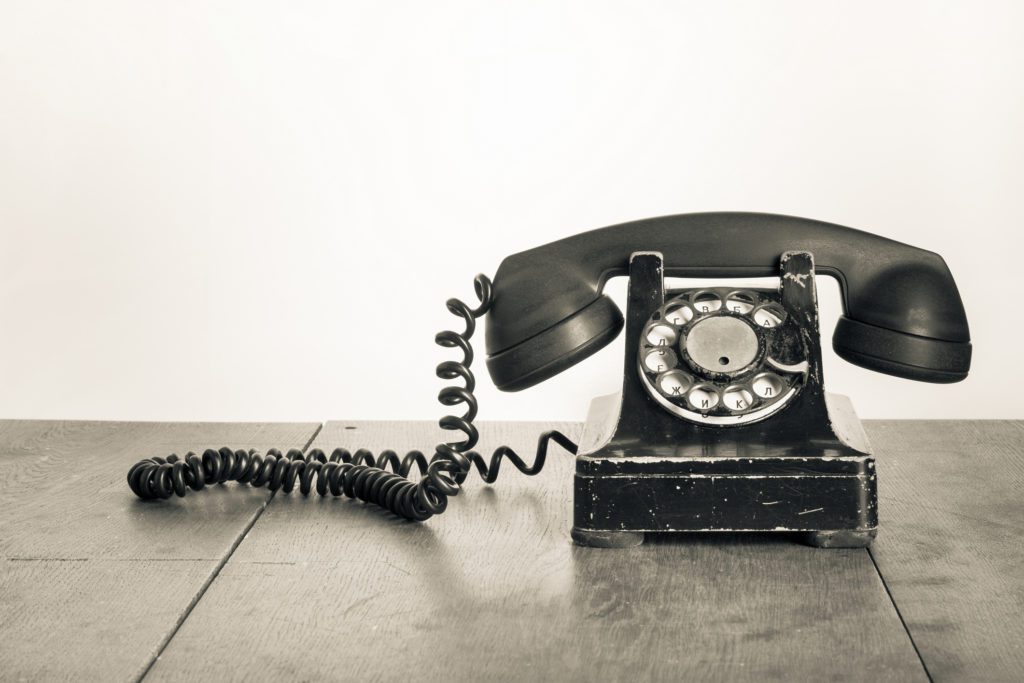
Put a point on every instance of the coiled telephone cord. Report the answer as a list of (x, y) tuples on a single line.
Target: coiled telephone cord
[(362, 475)]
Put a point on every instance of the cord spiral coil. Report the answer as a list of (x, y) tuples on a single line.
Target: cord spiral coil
[(382, 479)]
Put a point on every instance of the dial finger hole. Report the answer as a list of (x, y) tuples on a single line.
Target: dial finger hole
[(767, 385), (737, 398), (706, 302), (659, 360), (703, 397), (674, 383), (740, 302), (769, 316), (661, 334), (679, 314)]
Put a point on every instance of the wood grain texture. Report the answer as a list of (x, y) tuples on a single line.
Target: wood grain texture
[(950, 546), (495, 590), (92, 580)]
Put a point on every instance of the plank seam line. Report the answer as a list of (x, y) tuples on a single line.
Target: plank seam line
[(215, 573), (903, 622)]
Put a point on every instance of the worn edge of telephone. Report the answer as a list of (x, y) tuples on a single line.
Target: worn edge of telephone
[(540, 325)]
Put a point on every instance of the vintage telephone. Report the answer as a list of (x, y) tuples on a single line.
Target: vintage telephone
[(722, 423)]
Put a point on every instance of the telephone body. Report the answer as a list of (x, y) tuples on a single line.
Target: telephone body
[(722, 422)]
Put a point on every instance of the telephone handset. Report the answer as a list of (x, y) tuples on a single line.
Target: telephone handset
[(722, 423), (903, 315)]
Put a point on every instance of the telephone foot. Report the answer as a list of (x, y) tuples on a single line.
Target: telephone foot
[(606, 539), (842, 538)]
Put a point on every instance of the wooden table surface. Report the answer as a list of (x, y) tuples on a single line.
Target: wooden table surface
[(236, 583)]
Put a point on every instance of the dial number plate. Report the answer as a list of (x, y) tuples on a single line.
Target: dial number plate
[(705, 356)]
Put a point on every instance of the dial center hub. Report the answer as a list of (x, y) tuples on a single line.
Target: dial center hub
[(722, 344)]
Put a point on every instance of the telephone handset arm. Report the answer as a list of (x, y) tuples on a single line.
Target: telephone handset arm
[(903, 313)]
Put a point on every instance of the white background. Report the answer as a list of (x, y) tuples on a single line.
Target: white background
[(256, 210)]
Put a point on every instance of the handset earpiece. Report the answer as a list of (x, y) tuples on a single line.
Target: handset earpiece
[(901, 354), (556, 348)]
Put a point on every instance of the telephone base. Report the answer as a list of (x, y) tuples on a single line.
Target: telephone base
[(825, 490), (830, 501)]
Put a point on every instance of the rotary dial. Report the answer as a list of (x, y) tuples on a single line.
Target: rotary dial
[(722, 357)]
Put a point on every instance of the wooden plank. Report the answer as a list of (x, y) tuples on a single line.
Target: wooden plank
[(950, 545), (93, 581), (495, 590)]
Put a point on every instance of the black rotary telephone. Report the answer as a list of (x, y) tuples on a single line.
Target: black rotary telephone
[(722, 423)]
